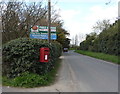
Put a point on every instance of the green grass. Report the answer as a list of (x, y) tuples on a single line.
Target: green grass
[(71, 48), (0, 73), (0, 79), (30, 80), (106, 57), (0, 58)]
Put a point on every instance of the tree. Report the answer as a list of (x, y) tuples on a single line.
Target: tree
[(19, 17), (73, 41), (66, 43), (62, 34), (101, 25), (106, 42), (10, 20), (89, 42), (76, 40)]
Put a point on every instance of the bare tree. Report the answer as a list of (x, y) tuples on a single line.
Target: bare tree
[(18, 17), (76, 40), (73, 41), (101, 25), (10, 19), (107, 3)]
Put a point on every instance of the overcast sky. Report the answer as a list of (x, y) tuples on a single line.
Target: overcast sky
[(79, 16)]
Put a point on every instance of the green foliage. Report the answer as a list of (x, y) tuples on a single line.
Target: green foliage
[(106, 42), (107, 57), (72, 48), (61, 36), (101, 25), (22, 55), (26, 80), (30, 80), (17, 23)]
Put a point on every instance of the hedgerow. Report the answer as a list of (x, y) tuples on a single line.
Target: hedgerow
[(107, 41), (22, 55)]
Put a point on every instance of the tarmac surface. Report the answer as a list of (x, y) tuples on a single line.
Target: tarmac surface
[(79, 73)]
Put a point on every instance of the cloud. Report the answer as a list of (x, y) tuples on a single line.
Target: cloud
[(70, 17), (86, 1), (80, 21), (99, 12), (69, 14), (94, 14)]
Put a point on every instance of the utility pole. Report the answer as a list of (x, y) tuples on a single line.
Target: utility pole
[(49, 21), (119, 10), (118, 14)]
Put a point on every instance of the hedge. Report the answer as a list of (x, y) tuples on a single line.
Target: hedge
[(22, 55), (108, 41)]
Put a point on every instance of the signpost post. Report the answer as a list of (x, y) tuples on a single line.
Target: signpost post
[(119, 15), (49, 21), (45, 32)]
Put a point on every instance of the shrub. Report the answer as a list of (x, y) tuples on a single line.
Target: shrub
[(30, 80), (27, 80), (22, 55)]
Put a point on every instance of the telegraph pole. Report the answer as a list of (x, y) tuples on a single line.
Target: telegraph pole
[(119, 15), (49, 21), (119, 10)]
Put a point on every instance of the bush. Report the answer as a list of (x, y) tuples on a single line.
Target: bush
[(27, 80), (30, 80), (22, 55), (108, 41)]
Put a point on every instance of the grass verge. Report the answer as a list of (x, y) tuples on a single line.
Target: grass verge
[(106, 57), (71, 48), (30, 80)]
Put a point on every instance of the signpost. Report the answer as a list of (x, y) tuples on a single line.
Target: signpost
[(41, 32)]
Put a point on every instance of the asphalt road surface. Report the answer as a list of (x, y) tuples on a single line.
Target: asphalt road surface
[(80, 73)]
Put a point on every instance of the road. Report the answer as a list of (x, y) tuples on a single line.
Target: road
[(80, 73)]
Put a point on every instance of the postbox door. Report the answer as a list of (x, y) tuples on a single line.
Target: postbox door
[(44, 54)]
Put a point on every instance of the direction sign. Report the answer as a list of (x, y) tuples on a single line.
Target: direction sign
[(45, 28), (43, 36), (41, 32)]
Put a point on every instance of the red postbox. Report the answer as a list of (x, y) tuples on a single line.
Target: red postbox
[(44, 54)]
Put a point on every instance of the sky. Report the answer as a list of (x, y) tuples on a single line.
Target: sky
[(80, 16)]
